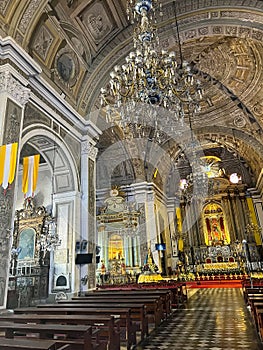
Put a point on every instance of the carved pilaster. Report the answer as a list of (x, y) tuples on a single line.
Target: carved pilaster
[(14, 88), (88, 176), (88, 149), (11, 133)]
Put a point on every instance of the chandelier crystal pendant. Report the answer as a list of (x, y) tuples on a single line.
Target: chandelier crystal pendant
[(150, 77)]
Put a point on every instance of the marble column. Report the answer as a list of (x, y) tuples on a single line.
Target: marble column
[(87, 210), (67, 211), (173, 235), (13, 96), (151, 226), (136, 256), (230, 218), (240, 214)]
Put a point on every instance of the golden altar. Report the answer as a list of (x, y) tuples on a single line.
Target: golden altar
[(221, 266), (149, 278)]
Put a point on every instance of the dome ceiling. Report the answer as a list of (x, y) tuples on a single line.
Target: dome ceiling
[(78, 42)]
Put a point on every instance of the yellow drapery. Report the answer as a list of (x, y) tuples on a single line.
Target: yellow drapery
[(253, 219), (8, 158), (30, 174)]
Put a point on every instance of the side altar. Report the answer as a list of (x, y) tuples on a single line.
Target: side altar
[(118, 239)]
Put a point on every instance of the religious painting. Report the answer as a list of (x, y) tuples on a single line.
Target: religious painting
[(65, 67), (215, 227), (27, 239), (115, 247)]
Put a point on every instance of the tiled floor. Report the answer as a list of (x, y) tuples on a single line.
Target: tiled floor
[(213, 319)]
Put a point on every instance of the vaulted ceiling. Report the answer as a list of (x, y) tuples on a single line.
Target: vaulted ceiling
[(78, 42)]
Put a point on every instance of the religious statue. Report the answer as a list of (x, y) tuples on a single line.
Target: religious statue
[(149, 266)]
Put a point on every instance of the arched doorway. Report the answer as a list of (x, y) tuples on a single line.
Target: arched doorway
[(57, 194)]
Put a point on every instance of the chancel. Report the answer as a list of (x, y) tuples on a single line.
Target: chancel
[(131, 174)]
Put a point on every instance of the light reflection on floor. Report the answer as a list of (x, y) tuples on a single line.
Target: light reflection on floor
[(213, 319)]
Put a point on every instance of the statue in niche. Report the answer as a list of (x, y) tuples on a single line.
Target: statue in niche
[(215, 227), (216, 232)]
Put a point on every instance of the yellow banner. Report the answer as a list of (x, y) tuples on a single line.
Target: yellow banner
[(8, 158), (253, 219), (30, 175), (179, 219)]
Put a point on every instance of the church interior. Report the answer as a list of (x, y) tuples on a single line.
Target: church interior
[(131, 158)]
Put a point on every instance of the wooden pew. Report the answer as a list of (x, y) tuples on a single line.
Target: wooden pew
[(77, 335), (57, 309), (154, 308), (259, 315), (178, 290), (109, 324), (247, 291), (165, 296), (31, 344), (138, 312)]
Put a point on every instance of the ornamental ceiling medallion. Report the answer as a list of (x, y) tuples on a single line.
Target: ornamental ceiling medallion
[(210, 166), (67, 67)]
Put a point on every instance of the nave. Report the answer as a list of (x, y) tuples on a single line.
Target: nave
[(213, 319)]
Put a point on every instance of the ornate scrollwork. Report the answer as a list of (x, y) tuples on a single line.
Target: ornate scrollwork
[(89, 149), (40, 229), (13, 87)]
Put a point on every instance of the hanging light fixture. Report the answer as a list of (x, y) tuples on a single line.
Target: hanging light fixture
[(150, 78)]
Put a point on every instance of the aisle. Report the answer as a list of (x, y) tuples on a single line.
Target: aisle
[(214, 319)]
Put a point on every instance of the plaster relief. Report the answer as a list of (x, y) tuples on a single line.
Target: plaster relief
[(28, 15), (97, 21), (4, 6), (67, 67), (42, 42)]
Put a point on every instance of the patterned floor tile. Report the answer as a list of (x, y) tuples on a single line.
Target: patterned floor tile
[(213, 319)]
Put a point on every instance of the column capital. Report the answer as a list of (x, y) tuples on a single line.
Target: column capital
[(12, 86), (90, 150)]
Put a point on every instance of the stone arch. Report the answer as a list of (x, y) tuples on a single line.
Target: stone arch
[(55, 151), (242, 143)]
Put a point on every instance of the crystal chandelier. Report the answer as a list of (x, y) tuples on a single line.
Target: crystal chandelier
[(150, 77)]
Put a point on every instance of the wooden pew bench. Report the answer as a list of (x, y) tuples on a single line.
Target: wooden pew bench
[(153, 305), (28, 344), (77, 335), (109, 326), (255, 307), (138, 312), (251, 291), (57, 309), (259, 315), (165, 296)]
